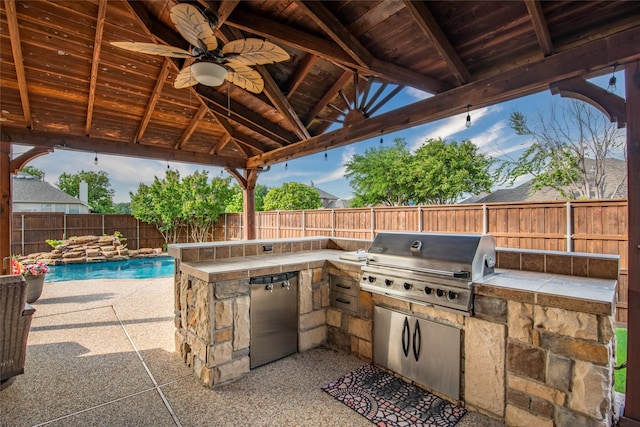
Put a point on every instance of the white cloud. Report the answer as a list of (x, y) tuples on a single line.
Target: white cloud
[(418, 94), (337, 173)]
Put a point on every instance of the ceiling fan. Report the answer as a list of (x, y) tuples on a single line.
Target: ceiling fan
[(213, 63)]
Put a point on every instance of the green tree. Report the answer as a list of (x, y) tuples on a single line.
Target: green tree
[(378, 176), (438, 172), (100, 191), (236, 202), (568, 151), (442, 171), (33, 171), (203, 203), (122, 208), (160, 204), (292, 196)]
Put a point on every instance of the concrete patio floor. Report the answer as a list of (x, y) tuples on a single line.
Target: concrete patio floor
[(101, 353)]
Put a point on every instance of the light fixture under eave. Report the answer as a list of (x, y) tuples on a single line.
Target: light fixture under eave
[(209, 73), (612, 81), (468, 122)]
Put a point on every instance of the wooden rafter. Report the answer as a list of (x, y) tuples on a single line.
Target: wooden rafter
[(441, 43), (540, 26), (331, 51), (326, 99), (301, 73), (225, 9), (95, 63), (14, 35), (153, 100), (239, 141), (337, 31), (275, 95), (193, 124)]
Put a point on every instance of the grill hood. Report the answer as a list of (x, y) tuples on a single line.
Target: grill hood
[(464, 256)]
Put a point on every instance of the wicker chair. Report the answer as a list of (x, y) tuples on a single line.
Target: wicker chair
[(15, 320)]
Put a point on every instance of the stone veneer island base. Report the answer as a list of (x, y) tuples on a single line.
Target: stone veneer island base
[(539, 350)]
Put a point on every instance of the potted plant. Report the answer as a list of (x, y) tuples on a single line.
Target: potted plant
[(34, 274)]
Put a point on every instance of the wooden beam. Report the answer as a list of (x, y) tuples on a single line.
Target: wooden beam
[(5, 207), (434, 33), (301, 73), (16, 49), (248, 184), (326, 99), (609, 104), (586, 59), (244, 116), (108, 146), (153, 100), (19, 162), (95, 64), (224, 10), (330, 51), (193, 124), (324, 19), (631, 415), (240, 141), (540, 26), (155, 28)]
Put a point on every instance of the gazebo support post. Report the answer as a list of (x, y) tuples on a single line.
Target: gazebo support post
[(247, 181), (631, 414), (5, 206)]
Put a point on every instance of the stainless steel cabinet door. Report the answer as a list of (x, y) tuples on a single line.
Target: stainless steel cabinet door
[(424, 351)]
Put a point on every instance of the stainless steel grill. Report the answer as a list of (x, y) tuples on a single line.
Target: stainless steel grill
[(429, 268)]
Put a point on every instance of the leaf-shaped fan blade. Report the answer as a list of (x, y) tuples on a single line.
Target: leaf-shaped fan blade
[(185, 78), (193, 26), (153, 49), (245, 77), (253, 52)]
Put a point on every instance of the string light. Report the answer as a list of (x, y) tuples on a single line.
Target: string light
[(612, 81), (326, 156), (381, 140), (95, 159), (468, 122), (286, 164), (168, 167)]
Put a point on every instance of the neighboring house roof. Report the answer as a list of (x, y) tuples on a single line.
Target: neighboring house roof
[(615, 187), (30, 189), (338, 204)]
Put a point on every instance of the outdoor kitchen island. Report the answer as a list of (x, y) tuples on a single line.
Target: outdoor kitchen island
[(538, 348)]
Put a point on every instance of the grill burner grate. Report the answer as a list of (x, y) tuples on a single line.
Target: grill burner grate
[(429, 268)]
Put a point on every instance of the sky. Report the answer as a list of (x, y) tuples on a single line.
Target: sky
[(489, 131)]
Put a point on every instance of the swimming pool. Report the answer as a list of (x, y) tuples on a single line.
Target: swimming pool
[(136, 268)]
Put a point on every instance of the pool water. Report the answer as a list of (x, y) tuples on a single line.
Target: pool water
[(136, 268)]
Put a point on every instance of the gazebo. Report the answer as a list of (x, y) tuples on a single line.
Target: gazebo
[(65, 86)]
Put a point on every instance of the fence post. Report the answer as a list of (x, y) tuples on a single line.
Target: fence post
[(278, 222), (333, 223), (569, 227), (22, 234), (485, 219), (64, 226), (420, 219), (225, 227), (103, 224), (138, 233), (303, 225), (373, 224)]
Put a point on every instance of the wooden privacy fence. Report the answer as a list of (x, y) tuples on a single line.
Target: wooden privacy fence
[(591, 226)]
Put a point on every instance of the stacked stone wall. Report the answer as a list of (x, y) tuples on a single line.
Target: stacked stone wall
[(90, 249)]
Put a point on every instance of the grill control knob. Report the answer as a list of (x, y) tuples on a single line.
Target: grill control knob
[(372, 279), (407, 286), (439, 293), (452, 295), (427, 290), (388, 282)]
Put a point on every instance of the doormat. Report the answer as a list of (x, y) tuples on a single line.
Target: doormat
[(387, 400)]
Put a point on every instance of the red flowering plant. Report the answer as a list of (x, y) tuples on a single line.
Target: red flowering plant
[(28, 269)]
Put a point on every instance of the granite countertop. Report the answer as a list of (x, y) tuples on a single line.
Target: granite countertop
[(259, 265), (584, 294), (590, 295)]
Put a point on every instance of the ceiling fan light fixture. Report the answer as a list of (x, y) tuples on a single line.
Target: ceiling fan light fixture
[(209, 73)]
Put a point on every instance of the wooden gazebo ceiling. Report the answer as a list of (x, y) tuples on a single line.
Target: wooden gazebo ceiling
[(63, 85)]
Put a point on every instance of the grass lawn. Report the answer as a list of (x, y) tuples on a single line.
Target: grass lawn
[(621, 357)]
